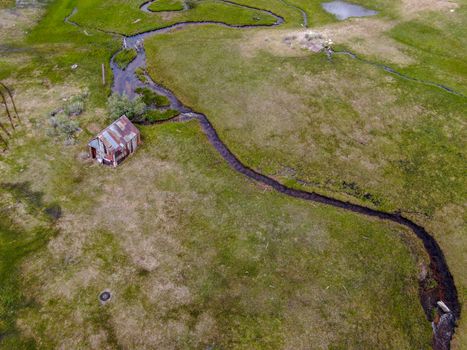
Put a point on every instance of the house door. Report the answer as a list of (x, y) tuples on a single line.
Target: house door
[(93, 153)]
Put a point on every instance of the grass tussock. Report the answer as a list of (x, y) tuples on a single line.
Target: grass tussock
[(125, 57)]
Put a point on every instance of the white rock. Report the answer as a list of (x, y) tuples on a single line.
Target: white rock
[(443, 306)]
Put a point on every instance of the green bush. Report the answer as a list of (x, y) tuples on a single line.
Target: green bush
[(119, 105), (125, 57), (150, 98)]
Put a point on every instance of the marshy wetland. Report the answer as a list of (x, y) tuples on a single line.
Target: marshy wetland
[(196, 254)]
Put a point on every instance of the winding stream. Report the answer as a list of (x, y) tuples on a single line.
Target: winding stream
[(125, 81), (145, 7), (299, 9), (400, 75)]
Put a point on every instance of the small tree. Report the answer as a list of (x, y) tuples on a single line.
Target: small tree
[(119, 105)]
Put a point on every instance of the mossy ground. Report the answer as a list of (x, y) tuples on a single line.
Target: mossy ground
[(195, 254)]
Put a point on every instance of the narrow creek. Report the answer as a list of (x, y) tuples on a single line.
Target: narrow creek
[(126, 81), (400, 75)]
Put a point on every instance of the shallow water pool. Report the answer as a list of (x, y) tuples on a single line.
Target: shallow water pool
[(343, 10)]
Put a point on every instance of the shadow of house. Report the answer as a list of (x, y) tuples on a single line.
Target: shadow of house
[(116, 142)]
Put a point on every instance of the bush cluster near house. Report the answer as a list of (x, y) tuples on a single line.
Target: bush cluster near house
[(134, 109), (119, 105), (125, 57), (62, 123)]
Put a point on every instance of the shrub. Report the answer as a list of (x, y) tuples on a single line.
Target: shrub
[(125, 57), (150, 98), (75, 105), (119, 105), (62, 125)]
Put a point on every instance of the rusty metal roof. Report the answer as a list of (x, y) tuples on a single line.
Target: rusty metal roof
[(117, 134)]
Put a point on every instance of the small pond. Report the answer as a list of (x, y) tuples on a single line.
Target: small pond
[(343, 10)]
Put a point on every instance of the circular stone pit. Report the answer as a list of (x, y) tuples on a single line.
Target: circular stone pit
[(105, 296)]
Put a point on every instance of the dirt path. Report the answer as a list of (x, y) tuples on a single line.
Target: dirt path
[(125, 81)]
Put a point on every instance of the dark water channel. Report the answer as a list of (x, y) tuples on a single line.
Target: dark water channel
[(126, 81)]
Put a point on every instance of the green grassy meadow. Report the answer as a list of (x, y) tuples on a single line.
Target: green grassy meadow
[(210, 258), (126, 18), (195, 254), (166, 5), (375, 133)]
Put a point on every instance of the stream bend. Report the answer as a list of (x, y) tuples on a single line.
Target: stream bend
[(125, 81)]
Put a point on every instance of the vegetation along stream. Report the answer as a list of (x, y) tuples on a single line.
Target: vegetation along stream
[(126, 81)]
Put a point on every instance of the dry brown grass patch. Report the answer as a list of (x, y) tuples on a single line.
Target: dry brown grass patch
[(367, 36), (412, 8), (363, 35), (14, 22), (282, 43)]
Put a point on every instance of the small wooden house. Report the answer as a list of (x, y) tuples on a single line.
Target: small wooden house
[(116, 142)]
